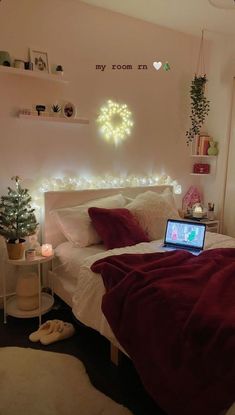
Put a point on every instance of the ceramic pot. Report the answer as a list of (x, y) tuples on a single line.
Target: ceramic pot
[(16, 251)]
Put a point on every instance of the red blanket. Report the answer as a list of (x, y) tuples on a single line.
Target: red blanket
[(174, 314)]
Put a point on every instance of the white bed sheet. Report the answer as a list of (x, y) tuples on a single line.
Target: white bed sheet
[(69, 259)]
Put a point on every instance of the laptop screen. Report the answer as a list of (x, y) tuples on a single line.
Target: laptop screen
[(184, 233)]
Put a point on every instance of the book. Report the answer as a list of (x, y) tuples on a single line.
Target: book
[(200, 145), (204, 141)]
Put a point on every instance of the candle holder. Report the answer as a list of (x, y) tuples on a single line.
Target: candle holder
[(30, 254), (47, 250), (211, 212), (197, 211)]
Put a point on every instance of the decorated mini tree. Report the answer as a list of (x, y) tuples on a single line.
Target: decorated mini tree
[(17, 218)]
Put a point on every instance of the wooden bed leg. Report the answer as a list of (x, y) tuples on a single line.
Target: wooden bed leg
[(114, 354)]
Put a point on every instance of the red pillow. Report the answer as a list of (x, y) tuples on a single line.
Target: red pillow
[(117, 227)]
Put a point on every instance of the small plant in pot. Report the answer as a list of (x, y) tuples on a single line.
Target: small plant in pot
[(17, 219), (56, 109), (200, 106)]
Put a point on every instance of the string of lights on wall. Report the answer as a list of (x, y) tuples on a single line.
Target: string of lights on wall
[(101, 182)]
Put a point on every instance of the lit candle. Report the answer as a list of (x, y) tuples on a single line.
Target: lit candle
[(47, 250), (198, 211)]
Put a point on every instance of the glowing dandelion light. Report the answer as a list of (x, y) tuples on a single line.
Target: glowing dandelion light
[(115, 121)]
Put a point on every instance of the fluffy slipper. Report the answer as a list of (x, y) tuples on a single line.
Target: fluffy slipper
[(45, 329), (61, 332)]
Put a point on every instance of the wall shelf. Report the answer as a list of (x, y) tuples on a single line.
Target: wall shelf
[(54, 119), (32, 74), (202, 156), (200, 174), (203, 159)]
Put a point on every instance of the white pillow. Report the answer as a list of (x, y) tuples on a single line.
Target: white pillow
[(152, 211), (76, 224)]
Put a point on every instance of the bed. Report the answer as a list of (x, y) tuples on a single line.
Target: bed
[(73, 279), (65, 281)]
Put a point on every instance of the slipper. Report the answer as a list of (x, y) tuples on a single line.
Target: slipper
[(61, 332), (46, 328)]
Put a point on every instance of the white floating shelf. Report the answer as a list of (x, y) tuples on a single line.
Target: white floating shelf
[(32, 74), (54, 119), (202, 155), (200, 174)]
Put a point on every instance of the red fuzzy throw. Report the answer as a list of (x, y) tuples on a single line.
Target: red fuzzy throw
[(174, 314)]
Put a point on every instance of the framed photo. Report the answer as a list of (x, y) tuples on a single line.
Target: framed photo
[(40, 60), (69, 110)]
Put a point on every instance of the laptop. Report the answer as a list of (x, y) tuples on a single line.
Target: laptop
[(182, 234)]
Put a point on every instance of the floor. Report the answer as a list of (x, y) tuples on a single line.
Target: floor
[(121, 383)]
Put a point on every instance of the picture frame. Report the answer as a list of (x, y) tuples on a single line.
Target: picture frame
[(40, 60), (69, 110)]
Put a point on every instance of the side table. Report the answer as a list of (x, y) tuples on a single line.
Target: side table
[(46, 300), (211, 225)]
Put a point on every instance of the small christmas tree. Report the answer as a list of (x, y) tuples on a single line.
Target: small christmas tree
[(17, 218)]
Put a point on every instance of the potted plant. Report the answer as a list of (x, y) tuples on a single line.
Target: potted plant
[(59, 70), (200, 106), (17, 219), (56, 109)]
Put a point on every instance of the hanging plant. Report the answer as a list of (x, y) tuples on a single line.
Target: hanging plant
[(200, 106)]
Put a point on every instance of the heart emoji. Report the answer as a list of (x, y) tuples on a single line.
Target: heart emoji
[(157, 65)]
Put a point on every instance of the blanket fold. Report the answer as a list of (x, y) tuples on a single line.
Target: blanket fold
[(174, 314)]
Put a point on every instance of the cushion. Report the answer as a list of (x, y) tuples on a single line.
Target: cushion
[(117, 227), (152, 210), (75, 222)]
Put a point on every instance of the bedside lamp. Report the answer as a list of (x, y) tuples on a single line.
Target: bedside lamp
[(197, 211)]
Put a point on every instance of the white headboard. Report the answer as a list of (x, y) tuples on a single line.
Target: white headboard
[(59, 199)]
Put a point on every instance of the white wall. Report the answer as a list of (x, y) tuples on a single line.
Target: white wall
[(220, 86), (79, 36), (229, 205)]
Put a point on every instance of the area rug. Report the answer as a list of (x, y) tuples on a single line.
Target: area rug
[(36, 382)]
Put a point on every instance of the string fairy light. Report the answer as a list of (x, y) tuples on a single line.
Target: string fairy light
[(115, 121), (100, 182)]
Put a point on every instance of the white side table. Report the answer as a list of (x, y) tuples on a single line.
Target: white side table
[(46, 301), (211, 225)]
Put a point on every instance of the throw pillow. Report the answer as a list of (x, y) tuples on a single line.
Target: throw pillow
[(152, 210), (117, 227), (75, 223)]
